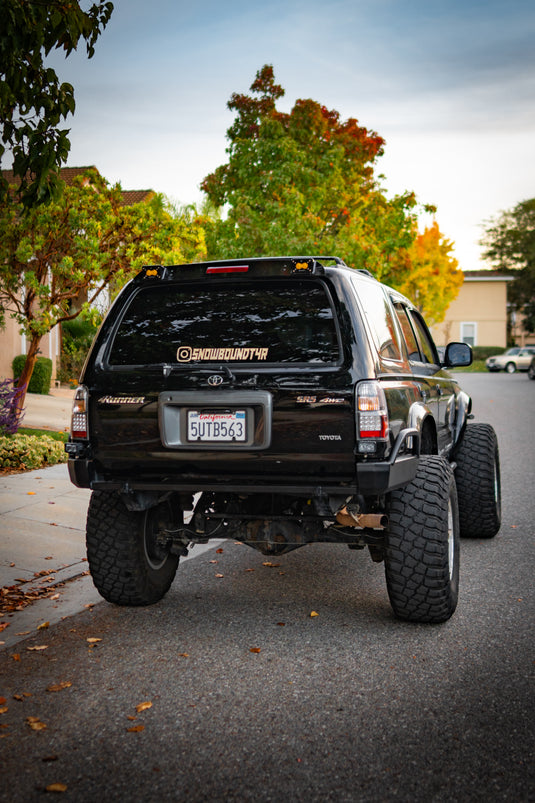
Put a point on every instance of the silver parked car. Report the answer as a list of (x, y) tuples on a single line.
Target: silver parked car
[(514, 359)]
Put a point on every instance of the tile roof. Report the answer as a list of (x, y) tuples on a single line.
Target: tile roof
[(68, 174)]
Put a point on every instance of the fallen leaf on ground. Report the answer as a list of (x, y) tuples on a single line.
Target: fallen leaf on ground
[(31, 493), (219, 575), (270, 565), (56, 787), (3, 626), (4, 709), (37, 648), (183, 654), (255, 649), (43, 625), (60, 686), (314, 613), (143, 706), (281, 624), (35, 723), (136, 729), (16, 656), (219, 551), (93, 640)]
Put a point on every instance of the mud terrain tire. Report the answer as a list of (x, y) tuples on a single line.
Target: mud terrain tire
[(127, 565), (478, 482), (422, 545)]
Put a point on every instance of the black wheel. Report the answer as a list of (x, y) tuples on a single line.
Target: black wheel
[(128, 563), (478, 482), (510, 367), (422, 545), (531, 370)]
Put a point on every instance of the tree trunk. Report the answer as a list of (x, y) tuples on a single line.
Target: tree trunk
[(27, 371)]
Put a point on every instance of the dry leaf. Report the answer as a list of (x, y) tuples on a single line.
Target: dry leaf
[(54, 596), (16, 656), (4, 709), (183, 654), (255, 649), (214, 561), (136, 729), (131, 718), (56, 787), (35, 723), (43, 626), (143, 706), (281, 624), (60, 686), (39, 647), (314, 613), (219, 551), (3, 626), (270, 565), (2, 700), (219, 575), (93, 640), (31, 493)]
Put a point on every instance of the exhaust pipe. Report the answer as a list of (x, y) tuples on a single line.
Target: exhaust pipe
[(374, 521)]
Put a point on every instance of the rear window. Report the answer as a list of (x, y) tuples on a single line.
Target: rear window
[(233, 322)]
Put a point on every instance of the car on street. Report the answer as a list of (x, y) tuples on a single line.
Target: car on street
[(278, 402), (514, 359)]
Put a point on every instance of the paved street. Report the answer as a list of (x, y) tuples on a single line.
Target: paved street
[(252, 698)]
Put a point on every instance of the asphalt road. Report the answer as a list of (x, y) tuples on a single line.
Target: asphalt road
[(348, 705)]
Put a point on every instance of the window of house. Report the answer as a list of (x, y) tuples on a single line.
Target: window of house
[(469, 333)]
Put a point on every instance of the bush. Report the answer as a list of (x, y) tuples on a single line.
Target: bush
[(41, 376), (10, 419), (483, 352), (24, 452), (77, 336)]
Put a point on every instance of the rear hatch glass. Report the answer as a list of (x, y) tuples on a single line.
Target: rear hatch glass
[(233, 322)]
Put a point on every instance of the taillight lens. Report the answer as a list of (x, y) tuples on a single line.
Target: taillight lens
[(372, 413), (79, 420)]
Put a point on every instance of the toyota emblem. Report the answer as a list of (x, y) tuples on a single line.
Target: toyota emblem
[(215, 380)]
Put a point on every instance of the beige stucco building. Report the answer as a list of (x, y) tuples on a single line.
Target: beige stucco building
[(478, 316)]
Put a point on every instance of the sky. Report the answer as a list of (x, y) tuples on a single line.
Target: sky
[(449, 84)]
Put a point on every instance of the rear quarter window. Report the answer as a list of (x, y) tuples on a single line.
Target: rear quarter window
[(265, 322)]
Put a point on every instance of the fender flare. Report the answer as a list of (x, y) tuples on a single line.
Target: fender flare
[(419, 414), (464, 408)]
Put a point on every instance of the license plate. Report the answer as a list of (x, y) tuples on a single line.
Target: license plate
[(213, 427)]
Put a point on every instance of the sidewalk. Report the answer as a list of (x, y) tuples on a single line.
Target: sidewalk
[(49, 412), (42, 533)]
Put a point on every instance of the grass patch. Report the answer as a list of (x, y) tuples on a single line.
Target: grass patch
[(477, 366), (49, 433)]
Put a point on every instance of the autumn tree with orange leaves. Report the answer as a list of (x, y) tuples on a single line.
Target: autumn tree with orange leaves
[(305, 182)]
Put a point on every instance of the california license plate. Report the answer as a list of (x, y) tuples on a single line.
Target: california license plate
[(217, 427)]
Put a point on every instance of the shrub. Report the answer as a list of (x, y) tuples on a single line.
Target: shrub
[(24, 452), (41, 376), (10, 419), (482, 352)]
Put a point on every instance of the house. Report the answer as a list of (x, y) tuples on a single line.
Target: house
[(12, 342), (478, 316)]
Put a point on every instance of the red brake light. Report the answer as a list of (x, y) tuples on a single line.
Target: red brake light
[(228, 269), (79, 426), (372, 412)]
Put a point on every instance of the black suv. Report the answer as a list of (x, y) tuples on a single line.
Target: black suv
[(279, 402)]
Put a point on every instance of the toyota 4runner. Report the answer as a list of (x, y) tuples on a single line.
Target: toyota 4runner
[(279, 402)]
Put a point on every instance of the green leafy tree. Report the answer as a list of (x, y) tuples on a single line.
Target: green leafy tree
[(432, 277), (304, 182), (57, 255), (509, 245), (33, 103)]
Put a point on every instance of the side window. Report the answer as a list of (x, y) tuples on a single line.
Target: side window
[(380, 319), (427, 347), (408, 333)]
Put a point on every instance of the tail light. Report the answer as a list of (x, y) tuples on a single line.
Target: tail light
[(79, 419), (371, 416)]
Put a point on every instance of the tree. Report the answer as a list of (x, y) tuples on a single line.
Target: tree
[(509, 245), (53, 256), (432, 279), (304, 182), (32, 101)]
